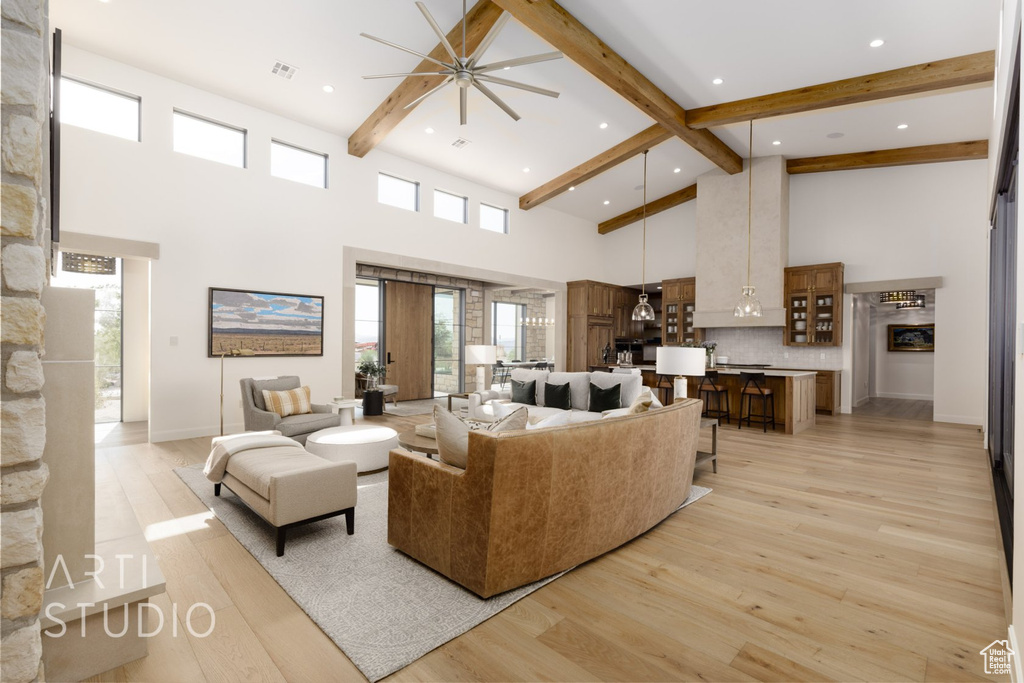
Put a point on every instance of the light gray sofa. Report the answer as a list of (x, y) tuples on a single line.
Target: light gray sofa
[(481, 403), (298, 427)]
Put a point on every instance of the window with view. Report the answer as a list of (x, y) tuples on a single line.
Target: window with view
[(493, 218), (405, 194), (297, 164), (367, 320), (509, 332), (209, 140), (99, 109), (451, 207)]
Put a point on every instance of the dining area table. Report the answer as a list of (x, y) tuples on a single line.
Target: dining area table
[(502, 370)]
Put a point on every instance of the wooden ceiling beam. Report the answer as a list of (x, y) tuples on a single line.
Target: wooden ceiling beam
[(939, 75), (902, 156), (392, 111), (627, 149), (564, 32), (657, 206)]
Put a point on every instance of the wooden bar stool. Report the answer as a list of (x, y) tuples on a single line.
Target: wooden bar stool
[(709, 385), (754, 386)]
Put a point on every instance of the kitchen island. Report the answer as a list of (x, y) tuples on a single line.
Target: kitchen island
[(794, 392)]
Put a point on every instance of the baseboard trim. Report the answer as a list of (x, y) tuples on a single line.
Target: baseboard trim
[(909, 397), (972, 420), (858, 404)]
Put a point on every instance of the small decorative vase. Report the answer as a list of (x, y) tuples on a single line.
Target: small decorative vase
[(372, 382), (711, 359)]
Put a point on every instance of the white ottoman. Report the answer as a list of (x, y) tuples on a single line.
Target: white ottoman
[(366, 445)]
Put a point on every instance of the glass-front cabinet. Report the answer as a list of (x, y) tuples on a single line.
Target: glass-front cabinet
[(814, 305), (678, 301)]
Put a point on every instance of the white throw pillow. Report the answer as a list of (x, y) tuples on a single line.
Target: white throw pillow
[(556, 420), (453, 433)]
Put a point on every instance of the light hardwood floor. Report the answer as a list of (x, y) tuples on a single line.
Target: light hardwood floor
[(861, 549), (897, 408)]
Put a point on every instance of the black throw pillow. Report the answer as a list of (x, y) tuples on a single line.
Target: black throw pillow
[(557, 396), (524, 392), (605, 399)]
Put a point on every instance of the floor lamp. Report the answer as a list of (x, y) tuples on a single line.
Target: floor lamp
[(683, 362), (232, 352), (481, 356)]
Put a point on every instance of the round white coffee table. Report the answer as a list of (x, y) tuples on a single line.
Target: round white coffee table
[(366, 445)]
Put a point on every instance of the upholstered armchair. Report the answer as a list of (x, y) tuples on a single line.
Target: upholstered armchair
[(298, 427)]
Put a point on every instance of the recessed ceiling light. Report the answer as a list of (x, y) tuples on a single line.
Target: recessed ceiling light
[(526, 170), (328, 88), (506, 68), (572, 188), (776, 142), (877, 42), (835, 136), (603, 126), (902, 126), (606, 202), (676, 170), (717, 81), (428, 131)]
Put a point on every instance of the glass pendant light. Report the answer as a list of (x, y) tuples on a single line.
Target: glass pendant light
[(749, 305), (643, 310)]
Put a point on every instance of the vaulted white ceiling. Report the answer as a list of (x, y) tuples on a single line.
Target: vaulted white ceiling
[(755, 46)]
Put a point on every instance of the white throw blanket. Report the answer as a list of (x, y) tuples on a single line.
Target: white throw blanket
[(225, 447)]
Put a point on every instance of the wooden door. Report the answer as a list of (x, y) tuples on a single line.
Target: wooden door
[(598, 336), (409, 338)]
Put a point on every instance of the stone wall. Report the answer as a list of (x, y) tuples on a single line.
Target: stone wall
[(474, 307), (24, 260), (536, 307)]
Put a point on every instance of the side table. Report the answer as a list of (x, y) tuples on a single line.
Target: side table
[(346, 407), (704, 456), (451, 396)]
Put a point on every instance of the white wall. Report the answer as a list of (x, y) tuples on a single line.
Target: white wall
[(671, 248), (901, 374), (905, 222), (862, 370), (241, 228), (135, 341)]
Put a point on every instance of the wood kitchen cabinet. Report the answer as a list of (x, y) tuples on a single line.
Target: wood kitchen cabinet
[(827, 391), (598, 313), (814, 305), (678, 300)]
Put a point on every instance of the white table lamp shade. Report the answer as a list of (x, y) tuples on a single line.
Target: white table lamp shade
[(479, 354), (681, 361)]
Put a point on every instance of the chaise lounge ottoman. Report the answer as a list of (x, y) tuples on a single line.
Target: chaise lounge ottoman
[(282, 482)]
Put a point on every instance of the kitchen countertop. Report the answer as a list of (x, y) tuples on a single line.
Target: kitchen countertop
[(769, 372)]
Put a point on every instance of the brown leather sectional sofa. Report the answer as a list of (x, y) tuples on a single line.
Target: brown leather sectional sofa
[(533, 503)]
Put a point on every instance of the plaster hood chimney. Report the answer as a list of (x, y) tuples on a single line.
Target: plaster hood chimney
[(722, 244)]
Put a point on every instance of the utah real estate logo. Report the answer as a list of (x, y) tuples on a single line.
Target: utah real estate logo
[(998, 656)]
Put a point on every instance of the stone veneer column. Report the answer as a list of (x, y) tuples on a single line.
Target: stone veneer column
[(24, 248)]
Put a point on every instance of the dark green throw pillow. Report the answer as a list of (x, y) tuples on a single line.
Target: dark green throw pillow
[(557, 396), (524, 392), (605, 399)]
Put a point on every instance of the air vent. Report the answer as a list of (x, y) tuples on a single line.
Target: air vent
[(285, 71), (460, 143), (86, 263)]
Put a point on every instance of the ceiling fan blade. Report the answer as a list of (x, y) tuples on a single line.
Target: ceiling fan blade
[(489, 38), (429, 93), (437, 29), (463, 97), (494, 98), (509, 63), (513, 84), (412, 52), (415, 73)]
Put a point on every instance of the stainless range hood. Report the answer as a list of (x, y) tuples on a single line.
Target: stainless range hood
[(722, 244)]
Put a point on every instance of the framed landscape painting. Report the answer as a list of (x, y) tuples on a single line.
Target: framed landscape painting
[(265, 324), (912, 337)]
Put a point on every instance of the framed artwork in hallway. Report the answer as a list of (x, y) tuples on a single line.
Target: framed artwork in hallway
[(912, 337), (249, 323)]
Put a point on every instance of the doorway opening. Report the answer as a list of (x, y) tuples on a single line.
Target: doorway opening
[(449, 333), (105, 276)]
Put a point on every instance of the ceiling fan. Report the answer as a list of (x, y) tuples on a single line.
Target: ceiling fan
[(467, 71)]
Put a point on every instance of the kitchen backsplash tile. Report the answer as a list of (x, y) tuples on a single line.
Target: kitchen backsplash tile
[(764, 345)]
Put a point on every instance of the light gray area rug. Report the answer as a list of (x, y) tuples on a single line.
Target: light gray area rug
[(383, 609), (421, 407)]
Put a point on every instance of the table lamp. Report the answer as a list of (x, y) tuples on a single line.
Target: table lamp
[(681, 361), (481, 356)]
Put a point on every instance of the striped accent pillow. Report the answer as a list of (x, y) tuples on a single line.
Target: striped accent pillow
[(291, 402)]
